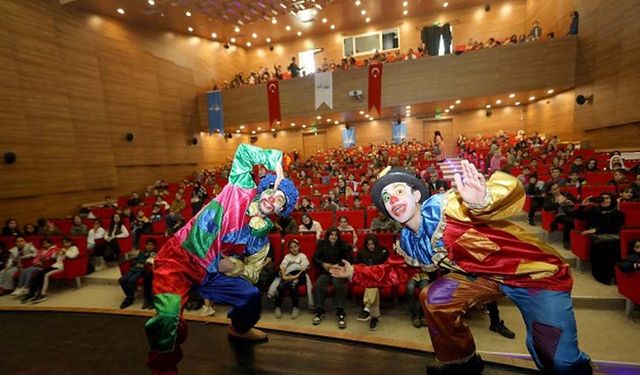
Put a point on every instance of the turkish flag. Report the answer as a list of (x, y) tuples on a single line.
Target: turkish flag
[(375, 87), (273, 95)]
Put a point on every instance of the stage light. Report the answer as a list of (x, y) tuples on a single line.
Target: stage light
[(458, 101), (259, 128), (318, 117), (446, 110), (512, 96), (187, 13), (550, 91), (241, 126), (120, 10)]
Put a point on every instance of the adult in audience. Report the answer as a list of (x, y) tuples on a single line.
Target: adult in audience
[(198, 196), (156, 214), (524, 176), (435, 184), (331, 251), (439, 146), (292, 273), (344, 191), (40, 283), (178, 204), (535, 190), (29, 230), (619, 179), (268, 271), (109, 202), (139, 226), (575, 180), (343, 226), (47, 228), (141, 268), (632, 262), (306, 205), (307, 224), (562, 203), (556, 178), (604, 221), (134, 200), (371, 254), (162, 203), (11, 228), (293, 68), (578, 165), (78, 228), (635, 187), (384, 223), (592, 166), (17, 254), (573, 27), (116, 230)]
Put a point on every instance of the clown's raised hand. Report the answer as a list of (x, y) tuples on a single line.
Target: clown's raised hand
[(279, 176), (471, 184)]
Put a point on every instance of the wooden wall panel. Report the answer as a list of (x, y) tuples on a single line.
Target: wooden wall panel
[(553, 15)]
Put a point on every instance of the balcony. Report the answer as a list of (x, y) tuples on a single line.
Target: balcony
[(524, 67)]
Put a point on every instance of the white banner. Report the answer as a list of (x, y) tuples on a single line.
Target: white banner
[(324, 89)]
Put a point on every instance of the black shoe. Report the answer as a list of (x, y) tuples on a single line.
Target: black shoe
[(318, 318), (27, 298), (416, 322), (364, 316), (532, 223), (567, 245), (126, 303), (473, 366), (423, 322), (502, 330), (342, 322), (147, 305), (373, 324)]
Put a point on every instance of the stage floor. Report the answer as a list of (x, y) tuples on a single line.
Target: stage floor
[(76, 343)]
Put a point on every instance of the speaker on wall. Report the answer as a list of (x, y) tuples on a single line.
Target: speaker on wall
[(129, 137), (9, 157), (581, 99), (253, 139), (193, 141)]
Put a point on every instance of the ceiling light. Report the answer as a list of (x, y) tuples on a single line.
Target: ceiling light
[(361, 112), (550, 91), (241, 126), (517, 103), (445, 4), (253, 132), (328, 120), (531, 98), (274, 20), (237, 29), (452, 106), (498, 101), (487, 106), (408, 107), (367, 19), (238, 131), (293, 124), (324, 20), (363, 12), (288, 28), (318, 117), (273, 129), (214, 35), (405, 12), (151, 2), (408, 114), (190, 29), (512, 95), (232, 40), (458, 101), (120, 10), (248, 44), (358, 3), (254, 35), (332, 27), (259, 128), (304, 126), (299, 33), (404, 4), (187, 13), (446, 110), (283, 6), (268, 40), (336, 122)]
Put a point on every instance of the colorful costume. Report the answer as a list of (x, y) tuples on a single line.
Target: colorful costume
[(488, 258), (229, 225)]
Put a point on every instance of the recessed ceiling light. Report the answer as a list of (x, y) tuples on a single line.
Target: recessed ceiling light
[(248, 44), (363, 12), (253, 132), (299, 33), (408, 107), (190, 29), (445, 4), (318, 117), (336, 122), (405, 12), (532, 98), (324, 20), (404, 4), (120, 10), (151, 2), (288, 28), (332, 27), (214, 35), (361, 112), (187, 13), (458, 101), (367, 19), (273, 129), (498, 101), (293, 124), (268, 40), (232, 40), (512, 95), (283, 6), (241, 126), (238, 131), (328, 120), (254, 35), (367, 115), (487, 106), (446, 110), (358, 3), (274, 20), (236, 29), (517, 103), (259, 128), (452, 106), (304, 126), (550, 91)]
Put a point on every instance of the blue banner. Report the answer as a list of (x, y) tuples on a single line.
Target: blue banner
[(349, 137), (399, 132), (214, 108)]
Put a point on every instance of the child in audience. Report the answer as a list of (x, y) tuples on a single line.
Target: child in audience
[(28, 276), (292, 273), (116, 230), (343, 226), (632, 262), (141, 224), (40, 283), (141, 268), (11, 228), (21, 252), (371, 254)]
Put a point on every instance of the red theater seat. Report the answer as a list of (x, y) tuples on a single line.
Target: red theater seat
[(594, 191), (64, 225), (372, 213), (631, 212), (628, 281), (597, 178), (308, 247), (355, 217), (325, 218)]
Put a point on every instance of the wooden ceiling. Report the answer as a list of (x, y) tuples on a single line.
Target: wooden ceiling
[(261, 22)]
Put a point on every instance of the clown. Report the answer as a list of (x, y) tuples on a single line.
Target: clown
[(220, 251), (463, 232)]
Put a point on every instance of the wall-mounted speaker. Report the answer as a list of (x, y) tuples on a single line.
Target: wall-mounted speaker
[(193, 141), (9, 157), (488, 112), (129, 137), (487, 7), (253, 139), (581, 99)]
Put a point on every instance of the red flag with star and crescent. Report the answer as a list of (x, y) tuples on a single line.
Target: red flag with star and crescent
[(375, 87), (273, 95)]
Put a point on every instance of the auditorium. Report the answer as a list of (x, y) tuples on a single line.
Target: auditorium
[(320, 187)]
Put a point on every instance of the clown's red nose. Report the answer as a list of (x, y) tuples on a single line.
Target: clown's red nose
[(393, 199)]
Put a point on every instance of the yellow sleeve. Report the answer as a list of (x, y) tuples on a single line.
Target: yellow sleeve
[(251, 267), (506, 198)]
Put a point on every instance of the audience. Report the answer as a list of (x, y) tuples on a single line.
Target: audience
[(14, 263), (292, 273), (384, 223), (141, 268), (78, 228), (371, 254), (40, 283), (11, 228), (562, 203), (116, 230), (632, 262), (307, 224)]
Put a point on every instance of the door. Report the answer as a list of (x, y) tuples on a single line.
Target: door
[(445, 127), (314, 143)]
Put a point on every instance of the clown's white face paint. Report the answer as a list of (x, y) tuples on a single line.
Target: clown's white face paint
[(400, 201), (271, 201)]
